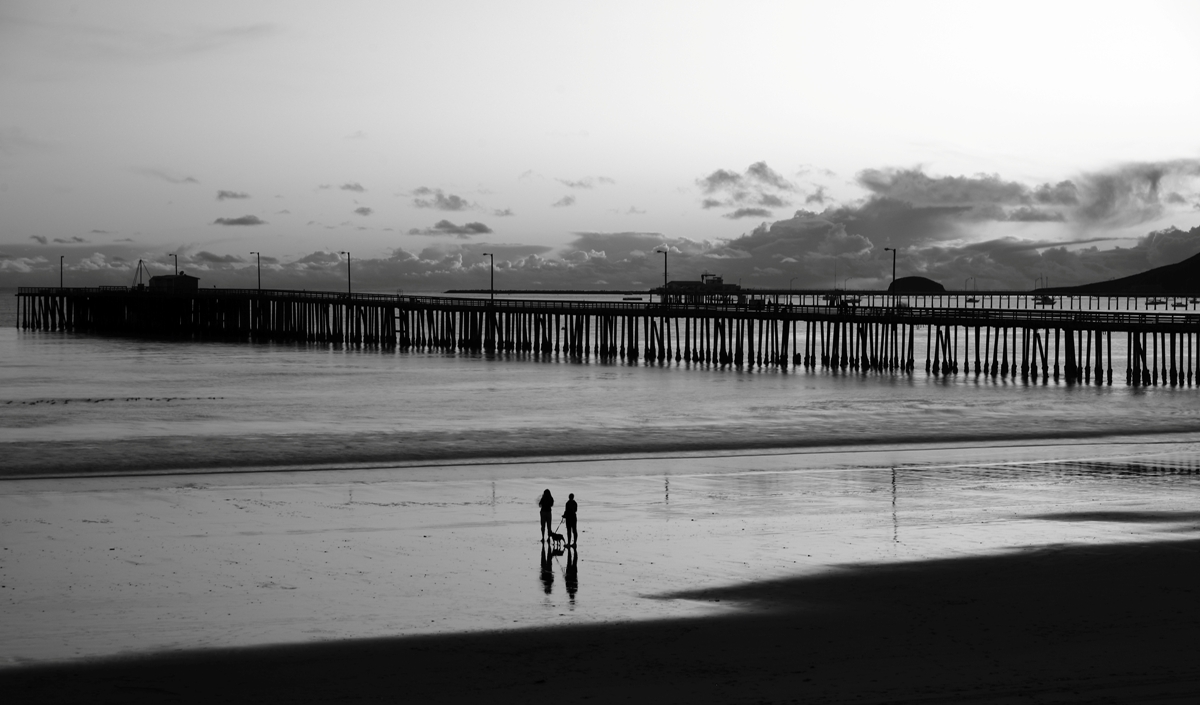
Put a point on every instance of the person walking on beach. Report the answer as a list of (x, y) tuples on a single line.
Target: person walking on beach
[(569, 514), (547, 505)]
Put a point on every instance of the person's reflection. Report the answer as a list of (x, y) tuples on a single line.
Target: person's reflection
[(572, 575), (547, 568)]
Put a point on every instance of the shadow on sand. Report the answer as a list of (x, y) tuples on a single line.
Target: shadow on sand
[(1063, 624)]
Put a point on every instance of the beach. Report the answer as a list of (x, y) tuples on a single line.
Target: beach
[(307, 523), (953, 574)]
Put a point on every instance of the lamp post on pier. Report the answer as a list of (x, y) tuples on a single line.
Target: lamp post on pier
[(176, 263), (348, 291), (60, 271), (492, 276), (664, 291), (259, 254), (893, 286)]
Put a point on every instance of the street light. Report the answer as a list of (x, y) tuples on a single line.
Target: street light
[(664, 291), (259, 269), (347, 271), (492, 278), (893, 286), (176, 263), (60, 271)]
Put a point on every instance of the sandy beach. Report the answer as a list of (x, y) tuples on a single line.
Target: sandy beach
[(1033, 573)]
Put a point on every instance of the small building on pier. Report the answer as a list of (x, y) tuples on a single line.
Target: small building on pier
[(710, 289), (181, 283)]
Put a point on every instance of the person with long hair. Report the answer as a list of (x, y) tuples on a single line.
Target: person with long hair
[(547, 505)]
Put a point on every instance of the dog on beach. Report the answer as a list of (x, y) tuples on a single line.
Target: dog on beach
[(556, 539)]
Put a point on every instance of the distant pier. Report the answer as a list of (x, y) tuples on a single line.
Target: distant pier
[(946, 334)]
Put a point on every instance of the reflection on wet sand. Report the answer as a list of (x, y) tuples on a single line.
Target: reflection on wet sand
[(572, 574)]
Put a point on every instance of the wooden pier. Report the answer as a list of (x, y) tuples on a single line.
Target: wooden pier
[(805, 330)]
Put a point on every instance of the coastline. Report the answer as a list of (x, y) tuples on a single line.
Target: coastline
[(257, 453), (1064, 624)]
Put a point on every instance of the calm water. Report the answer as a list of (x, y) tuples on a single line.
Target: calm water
[(74, 403)]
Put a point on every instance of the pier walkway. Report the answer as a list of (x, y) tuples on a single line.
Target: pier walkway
[(808, 330)]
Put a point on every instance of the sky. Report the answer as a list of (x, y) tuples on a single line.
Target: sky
[(991, 145)]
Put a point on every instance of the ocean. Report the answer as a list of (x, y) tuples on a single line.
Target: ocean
[(189, 494)]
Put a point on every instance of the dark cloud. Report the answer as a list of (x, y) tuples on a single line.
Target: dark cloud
[(73, 241), (817, 198), (760, 185), (222, 195), (1064, 193), (1130, 194), (445, 227), (564, 202), (210, 258), (748, 213), (244, 220), (101, 232), (915, 187), (38, 238), (165, 176), (363, 210), (353, 186), (502, 212), (1175, 199), (1028, 214), (440, 201), (760, 172)]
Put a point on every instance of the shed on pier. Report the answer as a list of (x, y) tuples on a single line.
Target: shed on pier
[(181, 283)]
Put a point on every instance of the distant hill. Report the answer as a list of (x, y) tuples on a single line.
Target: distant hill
[(1179, 278)]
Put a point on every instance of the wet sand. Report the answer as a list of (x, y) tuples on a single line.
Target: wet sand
[(1113, 623), (1020, 574)]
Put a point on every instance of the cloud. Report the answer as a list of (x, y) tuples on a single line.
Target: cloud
[(445, 227), (38, 238), (502, 212), (283, 212), (73, 241), (244, 220), (634, 210), (915, 187), (586, 182), (1129, 194), (564, 202), (353, 186), (363, 210), (222, 195), (164, 176), (1028, 214), (748, 213), (210, 258), (759, 185), (14, 141), (101, 232), (817, 197), (440, 200)]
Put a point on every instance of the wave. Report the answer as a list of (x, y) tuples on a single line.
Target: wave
[(214, 454)]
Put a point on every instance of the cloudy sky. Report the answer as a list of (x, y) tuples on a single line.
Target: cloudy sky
[(772, 143)]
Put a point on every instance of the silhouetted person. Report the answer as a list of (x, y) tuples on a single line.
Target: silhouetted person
[(547, 505), (569, 515), (572, 575), (547, 569)]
